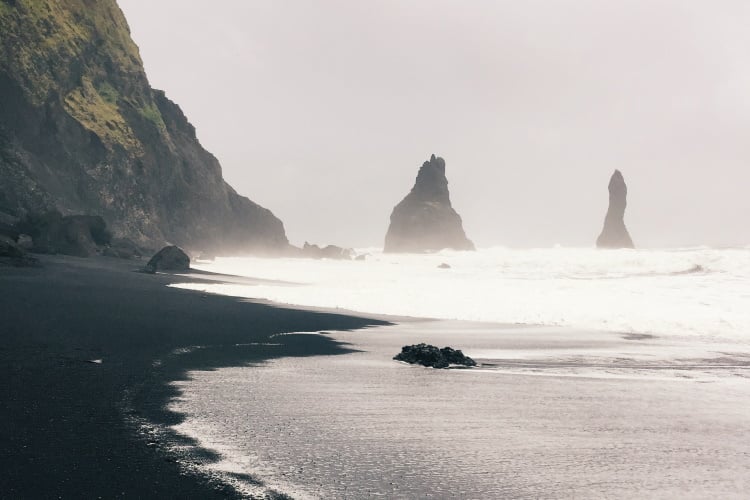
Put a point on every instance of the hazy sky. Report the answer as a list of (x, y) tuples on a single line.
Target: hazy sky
[(323, 111)]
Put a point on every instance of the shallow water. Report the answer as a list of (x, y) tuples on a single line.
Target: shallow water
[(552, 413)]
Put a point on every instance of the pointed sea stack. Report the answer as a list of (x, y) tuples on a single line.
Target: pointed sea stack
[(425, 221), (615, 234)]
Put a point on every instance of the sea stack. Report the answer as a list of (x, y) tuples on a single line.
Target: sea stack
[(615, 234), (425, 221)]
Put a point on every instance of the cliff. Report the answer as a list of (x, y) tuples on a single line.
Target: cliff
[(615, 234), (83, 132), (425, 221)]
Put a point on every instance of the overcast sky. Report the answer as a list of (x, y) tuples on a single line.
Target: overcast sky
[(323, 111)]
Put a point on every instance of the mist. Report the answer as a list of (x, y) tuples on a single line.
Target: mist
[(323, 112)]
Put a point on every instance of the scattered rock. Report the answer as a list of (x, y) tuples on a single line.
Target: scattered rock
[(429, 355), (444, 266), (615, 234), (362, 256), (328, 252), (170, 258), (12, 254), (425, 220)]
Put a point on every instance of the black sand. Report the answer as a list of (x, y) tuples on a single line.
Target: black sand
[(68, 425)]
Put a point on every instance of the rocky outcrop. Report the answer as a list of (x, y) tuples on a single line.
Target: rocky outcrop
[(425, 221), (77, 235), (615, 234), (83, 132), (429, 355), (170, 258)]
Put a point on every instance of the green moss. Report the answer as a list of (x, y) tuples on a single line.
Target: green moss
[(100, 115), (78, 52), (151, 113), (42, 42)]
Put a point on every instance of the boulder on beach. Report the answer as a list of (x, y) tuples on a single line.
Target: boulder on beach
[(429, 355), (615, 234), (169, 258), (425, 221)]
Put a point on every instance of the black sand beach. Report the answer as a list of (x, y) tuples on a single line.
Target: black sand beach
[(87, 349)]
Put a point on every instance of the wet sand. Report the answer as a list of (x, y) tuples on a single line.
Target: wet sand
[(551, 413), (87, 350)]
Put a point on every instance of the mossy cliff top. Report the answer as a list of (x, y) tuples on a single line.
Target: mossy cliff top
[(78, 52), (82, 131)]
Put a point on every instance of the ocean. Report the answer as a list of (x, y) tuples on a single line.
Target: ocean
[(603, 374), (697, 292)]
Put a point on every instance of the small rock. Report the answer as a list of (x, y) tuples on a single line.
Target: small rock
[(444, 266)]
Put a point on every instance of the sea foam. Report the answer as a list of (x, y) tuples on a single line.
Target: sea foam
[(694, 292)]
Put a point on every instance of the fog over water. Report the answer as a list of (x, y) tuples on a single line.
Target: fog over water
[(323, 111)]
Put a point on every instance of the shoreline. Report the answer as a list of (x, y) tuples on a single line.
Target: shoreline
[(98, 356), (89, 354)]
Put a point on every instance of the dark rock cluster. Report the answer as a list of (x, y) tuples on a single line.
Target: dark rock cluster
[(425, 221), (311, 251), (429, 355), (615, 234)]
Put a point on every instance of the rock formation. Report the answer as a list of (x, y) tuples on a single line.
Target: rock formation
[(312, 251), (615, 234), (170, 258), (83, 132), (429, 355), (77, 235), (425, 221)]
